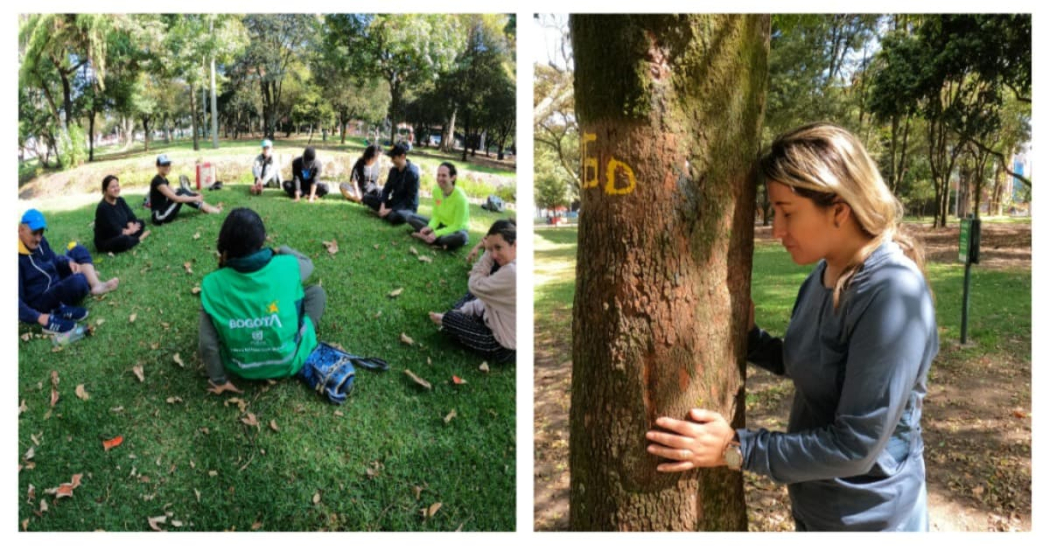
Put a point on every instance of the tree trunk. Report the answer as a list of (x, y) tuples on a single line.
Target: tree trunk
[(448, 136), (193, 119), (145, 132), (670, 110), (91, 136)]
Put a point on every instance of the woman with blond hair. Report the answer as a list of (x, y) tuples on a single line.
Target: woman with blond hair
[(858, 347)]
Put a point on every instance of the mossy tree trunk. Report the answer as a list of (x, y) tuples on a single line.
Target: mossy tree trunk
[(670, 110)]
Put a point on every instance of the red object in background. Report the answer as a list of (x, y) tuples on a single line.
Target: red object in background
[(205, 175)]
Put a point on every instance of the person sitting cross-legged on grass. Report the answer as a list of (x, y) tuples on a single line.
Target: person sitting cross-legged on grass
[(364, 177), (257, 321), (306, 170), (165, 203), (264, 170), (50, 285), (400, 195), (484, 319), (117, 229), (448, 227)]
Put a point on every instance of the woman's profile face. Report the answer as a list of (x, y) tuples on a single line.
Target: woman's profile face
[(803, 228), (503, 253)]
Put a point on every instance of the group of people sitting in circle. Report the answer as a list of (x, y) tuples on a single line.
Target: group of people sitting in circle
[(257, 319)]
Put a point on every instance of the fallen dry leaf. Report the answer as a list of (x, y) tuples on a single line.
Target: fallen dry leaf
[(250, 420), (213, 473), (273, 425), (451, 415), (241, 404), (197, 235), (317, 498), (407, 340), (379, 313), (375, 246), (196, 290), (338, 413), (25, 525), (396, 292), (30, 453), (430, 511), (331, 246), (131, 318), (43, 505), (1020, 413), (154, 521), (256, 525), (117, 409), (188, 266), (418, 491), (173, 400), (81, 393), (112, 443), (100, 322), (178, 360), (425, 258), (198, 494), (176, 523), (66, 489), (418, 380), (25, 336), (22, 408), (137, 370), (413, 251), (428, 361), (457, 380), (484, 367), (54, 397)]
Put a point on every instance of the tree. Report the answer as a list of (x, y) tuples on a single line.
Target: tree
[(274, 42), (554, 118), (670, 110)]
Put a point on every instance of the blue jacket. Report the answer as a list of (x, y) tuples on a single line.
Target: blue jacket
[(37, 271), (852, 453)]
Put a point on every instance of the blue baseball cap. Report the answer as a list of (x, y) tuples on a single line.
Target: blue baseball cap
[(267, 143), (163, 160), (34, 219)]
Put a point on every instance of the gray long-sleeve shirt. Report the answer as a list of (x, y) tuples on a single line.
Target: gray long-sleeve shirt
[(852, 454)]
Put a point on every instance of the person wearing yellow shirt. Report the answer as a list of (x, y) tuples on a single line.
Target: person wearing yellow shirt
[(448, 227)]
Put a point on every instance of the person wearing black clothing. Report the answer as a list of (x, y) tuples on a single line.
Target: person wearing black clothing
[(165, 203), (116, 227), (400, 196), (364, 177), (305, 172)]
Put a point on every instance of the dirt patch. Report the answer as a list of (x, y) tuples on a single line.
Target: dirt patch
[(976, 420)]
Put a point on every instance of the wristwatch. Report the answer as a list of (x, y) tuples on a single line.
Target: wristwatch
[(732, 456)]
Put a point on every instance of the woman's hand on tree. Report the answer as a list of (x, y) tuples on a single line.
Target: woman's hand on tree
[(699, 442)]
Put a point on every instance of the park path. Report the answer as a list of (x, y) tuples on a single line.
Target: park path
[(977, 418)]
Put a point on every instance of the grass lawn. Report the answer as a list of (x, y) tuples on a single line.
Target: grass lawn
[(392, 450)]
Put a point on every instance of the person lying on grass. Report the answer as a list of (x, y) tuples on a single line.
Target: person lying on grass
[(364, 177), (400, 195), (165, 203), (117, 229), (50, 285), (264, 170), (484, 319), (306, 170), (257, 321), (448, 228)]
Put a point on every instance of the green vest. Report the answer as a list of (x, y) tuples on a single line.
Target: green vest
[(259, 318)]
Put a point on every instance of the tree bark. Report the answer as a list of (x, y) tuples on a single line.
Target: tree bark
[(193, 119), (670, 110)]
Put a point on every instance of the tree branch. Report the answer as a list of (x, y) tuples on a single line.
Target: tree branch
[(1002, 161)]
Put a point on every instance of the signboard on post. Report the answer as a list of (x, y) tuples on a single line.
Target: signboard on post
[(969, 253)]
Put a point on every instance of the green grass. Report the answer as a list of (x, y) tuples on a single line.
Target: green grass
[(366, 458), (1000, 317)]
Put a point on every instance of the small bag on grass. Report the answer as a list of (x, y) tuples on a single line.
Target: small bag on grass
[(330, 371)]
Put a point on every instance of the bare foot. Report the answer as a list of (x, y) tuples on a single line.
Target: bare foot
[(144, 235), (105, 287), (208, 209), (436, 318)]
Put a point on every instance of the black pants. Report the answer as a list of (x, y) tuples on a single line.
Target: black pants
[(304, 189), (169, 214), (120, 243), (473, 334), (451, 241), (395, 217)]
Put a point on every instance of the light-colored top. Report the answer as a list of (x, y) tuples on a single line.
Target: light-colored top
[(497, 299)]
